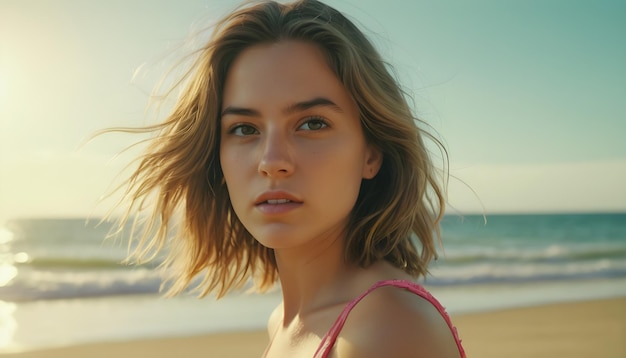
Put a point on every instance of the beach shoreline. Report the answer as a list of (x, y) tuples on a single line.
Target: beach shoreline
[(574, 329), (70, 292)]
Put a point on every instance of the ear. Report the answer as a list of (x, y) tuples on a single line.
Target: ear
[(373, 162)]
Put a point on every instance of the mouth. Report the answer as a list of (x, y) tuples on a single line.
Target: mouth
[(277, 201), (277, 207), (276, 198)]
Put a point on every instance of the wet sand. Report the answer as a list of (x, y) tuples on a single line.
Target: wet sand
[(574, 330)]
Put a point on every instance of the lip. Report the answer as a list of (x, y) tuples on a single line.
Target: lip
[(261, 203), (276, 195)]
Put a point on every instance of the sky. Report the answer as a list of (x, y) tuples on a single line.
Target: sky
[(529, 97)]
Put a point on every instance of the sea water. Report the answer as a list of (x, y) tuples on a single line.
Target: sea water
[(62, 283)]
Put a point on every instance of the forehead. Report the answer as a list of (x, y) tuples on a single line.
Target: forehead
[(285, 72)]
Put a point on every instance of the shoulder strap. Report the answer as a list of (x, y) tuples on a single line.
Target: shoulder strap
[(331, 336)]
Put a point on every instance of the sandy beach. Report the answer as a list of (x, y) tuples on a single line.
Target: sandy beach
[(579, 329), (573, 330)]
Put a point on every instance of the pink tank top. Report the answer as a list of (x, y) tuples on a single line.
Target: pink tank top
[(331, 336)]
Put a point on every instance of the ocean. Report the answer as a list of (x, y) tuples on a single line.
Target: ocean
[(59, 276)]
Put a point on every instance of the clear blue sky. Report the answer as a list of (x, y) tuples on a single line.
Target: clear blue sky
[(529, 96)]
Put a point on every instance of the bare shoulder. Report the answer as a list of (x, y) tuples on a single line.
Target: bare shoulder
[(274, 321), (393, 322)]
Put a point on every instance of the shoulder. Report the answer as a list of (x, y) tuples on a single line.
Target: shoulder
[(394, 322), (274, 321)]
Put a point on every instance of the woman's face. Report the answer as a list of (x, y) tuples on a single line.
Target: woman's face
[(292, 148)]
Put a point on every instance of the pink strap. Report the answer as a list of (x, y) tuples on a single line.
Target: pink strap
[(331, 336)]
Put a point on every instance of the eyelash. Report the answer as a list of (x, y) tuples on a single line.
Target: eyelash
[(238, 129), (315, 119)]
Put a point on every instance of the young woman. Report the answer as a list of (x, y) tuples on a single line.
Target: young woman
[(292, 156)]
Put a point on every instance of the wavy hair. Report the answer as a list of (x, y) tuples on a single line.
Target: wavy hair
[(180, 189)]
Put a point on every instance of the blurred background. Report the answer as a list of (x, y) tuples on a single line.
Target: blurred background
[(527, 97)]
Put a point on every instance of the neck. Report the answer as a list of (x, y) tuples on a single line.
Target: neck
[(312, 277)]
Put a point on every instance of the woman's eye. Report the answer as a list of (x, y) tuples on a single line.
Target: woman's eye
[(243, 130), (314, 124)]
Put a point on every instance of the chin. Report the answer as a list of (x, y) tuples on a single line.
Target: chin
[(276, 242)]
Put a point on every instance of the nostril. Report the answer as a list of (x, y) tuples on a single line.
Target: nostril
[(275, 168), (276, 159)]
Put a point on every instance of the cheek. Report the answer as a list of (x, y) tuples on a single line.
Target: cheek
[(232, 162), (229, 170), (342, 171), (346, 157)]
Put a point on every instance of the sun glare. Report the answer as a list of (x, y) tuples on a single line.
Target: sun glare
[(7, 274), (8, 325), (6, 236)]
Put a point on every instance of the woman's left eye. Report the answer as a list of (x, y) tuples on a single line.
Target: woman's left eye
[(313, 124)]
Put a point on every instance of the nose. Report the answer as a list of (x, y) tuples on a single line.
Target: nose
[(276, 157)]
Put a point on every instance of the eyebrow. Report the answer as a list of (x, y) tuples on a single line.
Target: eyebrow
[(296, 107)]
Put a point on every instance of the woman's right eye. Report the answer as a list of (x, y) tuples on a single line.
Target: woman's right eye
[(243, 130)]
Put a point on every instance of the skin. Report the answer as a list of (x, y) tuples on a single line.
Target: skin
[(291, 131)]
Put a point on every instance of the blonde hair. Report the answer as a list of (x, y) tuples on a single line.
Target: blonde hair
[(396, 217)]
